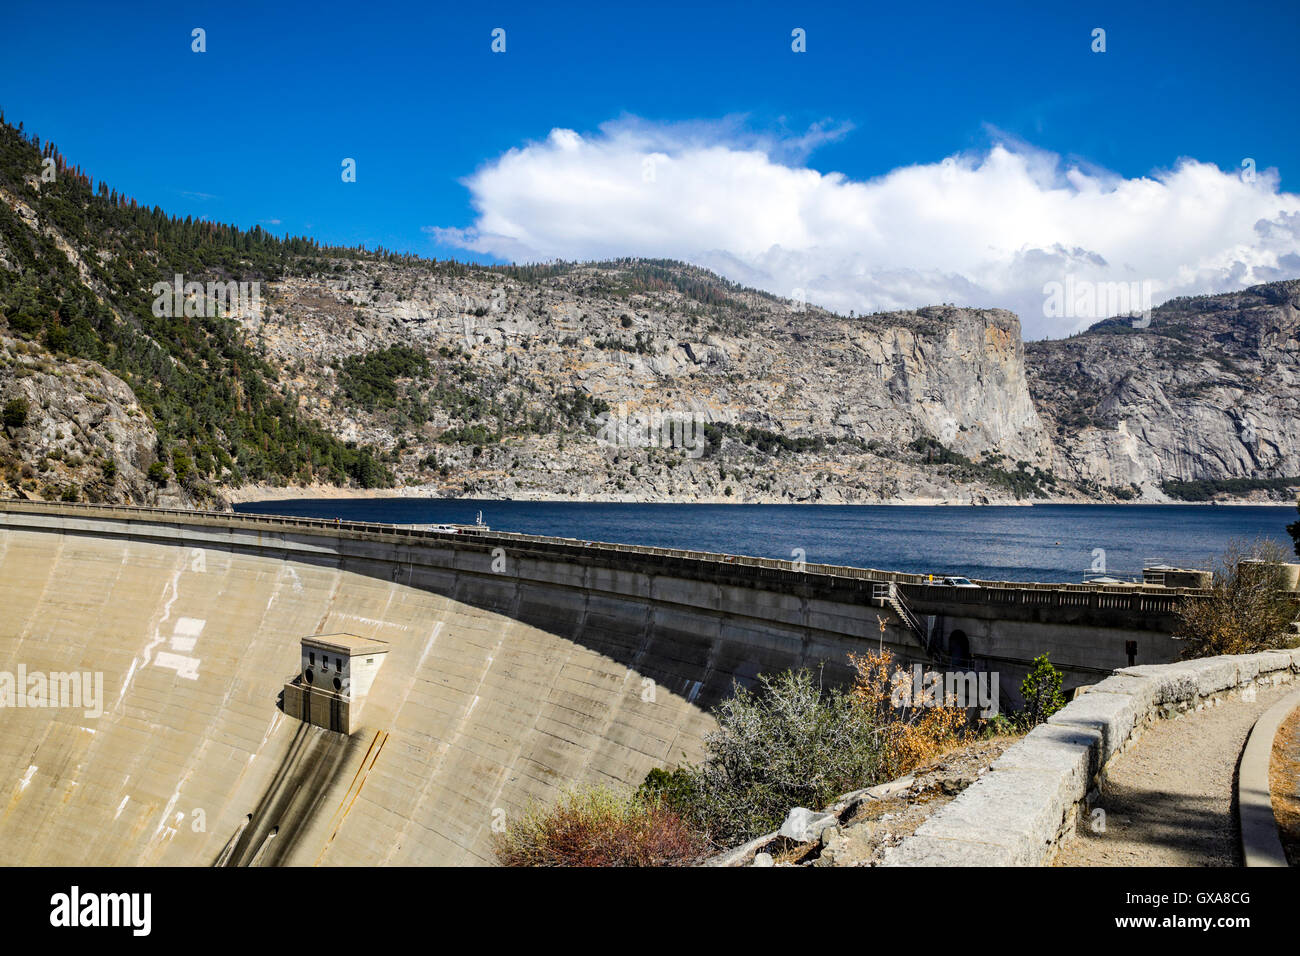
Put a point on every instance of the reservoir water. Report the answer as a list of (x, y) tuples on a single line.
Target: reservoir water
[(1038, 543)]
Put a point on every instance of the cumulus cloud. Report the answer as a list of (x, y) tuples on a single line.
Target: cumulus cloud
[(992, 228)]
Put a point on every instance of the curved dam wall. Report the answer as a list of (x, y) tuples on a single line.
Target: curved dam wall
[(509, 675)]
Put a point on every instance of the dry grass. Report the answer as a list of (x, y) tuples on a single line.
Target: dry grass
[(593, 826), (1284, 785), (909, 736)]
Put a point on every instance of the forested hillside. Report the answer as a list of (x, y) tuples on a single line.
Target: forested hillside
[(77, 263)]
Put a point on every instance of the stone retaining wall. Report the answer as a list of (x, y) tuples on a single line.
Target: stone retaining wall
[(1018, 812)]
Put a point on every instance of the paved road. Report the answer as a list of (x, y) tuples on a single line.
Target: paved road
[(1171, 799)]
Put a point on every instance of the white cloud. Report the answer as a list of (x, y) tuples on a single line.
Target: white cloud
[(986, 229)]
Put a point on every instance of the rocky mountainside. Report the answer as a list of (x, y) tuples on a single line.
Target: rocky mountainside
[(517, 370), (624, 380), (1207, 395), (77, 432)]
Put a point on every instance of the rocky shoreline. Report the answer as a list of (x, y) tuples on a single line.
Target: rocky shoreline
[(249, 494)]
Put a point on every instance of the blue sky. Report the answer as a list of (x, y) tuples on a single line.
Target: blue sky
[(254, 130)]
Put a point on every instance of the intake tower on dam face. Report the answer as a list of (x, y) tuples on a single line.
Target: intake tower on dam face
[(476, 673), (333, 698)]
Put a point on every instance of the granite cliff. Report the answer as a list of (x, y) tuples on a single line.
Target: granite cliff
[(797, 404), (1209, 392)]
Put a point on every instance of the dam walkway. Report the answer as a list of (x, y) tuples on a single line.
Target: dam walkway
[(1086, 629), (1140, 603), (1170, 799)]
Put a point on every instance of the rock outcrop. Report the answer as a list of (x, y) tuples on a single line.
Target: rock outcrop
[(1209, 391), (84, 436), (848, 397)]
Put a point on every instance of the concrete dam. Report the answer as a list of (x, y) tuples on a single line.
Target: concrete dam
[(497, 669)]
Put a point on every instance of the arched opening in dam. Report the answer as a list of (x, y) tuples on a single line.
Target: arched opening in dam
[(959, 648)]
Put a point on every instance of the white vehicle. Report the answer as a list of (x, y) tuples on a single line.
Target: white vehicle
[(959, 583)]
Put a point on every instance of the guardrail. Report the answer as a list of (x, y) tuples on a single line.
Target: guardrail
[(1133, 598), (184, 516), (1012, 594)]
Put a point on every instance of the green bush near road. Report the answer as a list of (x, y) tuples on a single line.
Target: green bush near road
[(1041, 690), (789, 743)]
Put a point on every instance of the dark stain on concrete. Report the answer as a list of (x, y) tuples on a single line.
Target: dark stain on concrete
[(314, 763)]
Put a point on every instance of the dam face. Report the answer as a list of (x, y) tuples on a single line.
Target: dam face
[(472, 716), (499, 689), (513, 666)]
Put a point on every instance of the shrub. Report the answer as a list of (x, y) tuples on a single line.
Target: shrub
[(15, 413), (182, 466), (1041, 690), (676, 790), (909, 734), (1248, 609), (158, 473), (593, 826), (467, 435), (998, 725), (788, 744)]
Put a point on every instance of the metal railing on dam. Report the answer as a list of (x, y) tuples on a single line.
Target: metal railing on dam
[(1139, 600)]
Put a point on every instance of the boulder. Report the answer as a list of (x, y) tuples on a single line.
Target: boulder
[(803, 825)]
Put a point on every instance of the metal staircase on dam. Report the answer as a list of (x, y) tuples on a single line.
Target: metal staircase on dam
[(888, 594)]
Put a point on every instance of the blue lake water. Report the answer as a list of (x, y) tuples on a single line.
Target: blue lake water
[(1038, 543)]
